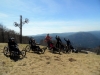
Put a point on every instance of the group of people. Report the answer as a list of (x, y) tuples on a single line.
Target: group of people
[(58, 41), (13, 45), (59, 44), (50, 45)]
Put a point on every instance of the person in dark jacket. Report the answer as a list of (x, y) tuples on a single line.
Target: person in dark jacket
[(34, 45), (68, 43), (59, 42), (13, 45)]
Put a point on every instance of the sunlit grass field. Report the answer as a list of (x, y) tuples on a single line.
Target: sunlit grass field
[(50, 64)]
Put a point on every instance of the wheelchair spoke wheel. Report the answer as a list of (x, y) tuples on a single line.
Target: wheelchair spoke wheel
[(6, 51), (23, 53), (43, 50), (27, 48)]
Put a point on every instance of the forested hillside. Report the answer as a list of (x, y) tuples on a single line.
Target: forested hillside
[(84, 39), (6, 33)]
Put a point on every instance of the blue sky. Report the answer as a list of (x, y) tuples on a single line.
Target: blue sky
[(51, 16)]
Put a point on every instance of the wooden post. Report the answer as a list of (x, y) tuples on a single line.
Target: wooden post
[(20, 28)]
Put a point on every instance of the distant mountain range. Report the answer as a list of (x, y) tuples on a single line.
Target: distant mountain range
[(89, 39)]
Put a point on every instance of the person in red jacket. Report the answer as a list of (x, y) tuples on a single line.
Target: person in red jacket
[(48, 40)]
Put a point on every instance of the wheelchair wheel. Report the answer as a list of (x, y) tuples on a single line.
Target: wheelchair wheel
[(23, 53), (27, 48), (6, 51), (43, 50)]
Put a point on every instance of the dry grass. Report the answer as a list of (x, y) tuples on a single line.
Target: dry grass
[(50, 64)]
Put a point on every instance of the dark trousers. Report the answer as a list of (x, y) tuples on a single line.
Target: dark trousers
[(58, 44), (48, 43)]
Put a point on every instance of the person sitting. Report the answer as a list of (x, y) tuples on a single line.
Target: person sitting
[(53, 47), (30, 40), (34, 45), (13, 45)]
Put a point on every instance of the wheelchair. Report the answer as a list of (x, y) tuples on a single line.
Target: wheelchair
[(69, 49), (54, 49), (7, 52), (28, 48)]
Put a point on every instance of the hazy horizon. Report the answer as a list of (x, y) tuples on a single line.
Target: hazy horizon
[(63, 32)]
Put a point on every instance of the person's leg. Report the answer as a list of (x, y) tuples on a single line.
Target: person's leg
[(34, 48), (57, 45), (60, 45), (30, 46), (48, 44), (17, 49), (68, 46), (10, 49), (37, 47)]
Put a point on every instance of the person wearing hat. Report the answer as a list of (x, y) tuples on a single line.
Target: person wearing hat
[(13, 45), (34, 45)]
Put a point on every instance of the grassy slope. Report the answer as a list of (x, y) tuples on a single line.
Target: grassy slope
[(50, 64)]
